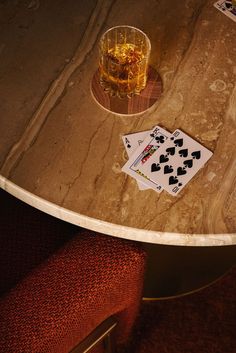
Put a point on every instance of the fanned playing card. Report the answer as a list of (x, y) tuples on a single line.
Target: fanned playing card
[(131, 143), (155, 138), (228, 7), (176, 162)]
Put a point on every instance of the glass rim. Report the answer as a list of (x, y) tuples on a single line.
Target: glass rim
[(130, 27)]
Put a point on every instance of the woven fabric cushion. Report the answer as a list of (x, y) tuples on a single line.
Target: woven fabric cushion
[(27, 237), (201, 322), (62, 301)]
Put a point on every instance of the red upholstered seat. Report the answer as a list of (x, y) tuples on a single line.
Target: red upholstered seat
[(27, 237), (59, 302)]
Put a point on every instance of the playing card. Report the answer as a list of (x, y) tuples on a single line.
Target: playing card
[(155, 138), (176, 162), (228, 7), (132, 142)]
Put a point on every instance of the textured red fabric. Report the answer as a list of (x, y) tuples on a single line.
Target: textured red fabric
[(27, 237), (60, 302), (202, 322)]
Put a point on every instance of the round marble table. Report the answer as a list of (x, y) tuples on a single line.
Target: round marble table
[(62, 153)]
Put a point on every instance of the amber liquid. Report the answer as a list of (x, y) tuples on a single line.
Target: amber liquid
[(123, 69)]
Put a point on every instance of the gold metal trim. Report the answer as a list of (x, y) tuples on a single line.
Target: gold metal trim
[(189, 292), (100, 333)]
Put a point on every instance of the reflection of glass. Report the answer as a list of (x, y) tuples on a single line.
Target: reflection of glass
[(234, 6), (124, 55)]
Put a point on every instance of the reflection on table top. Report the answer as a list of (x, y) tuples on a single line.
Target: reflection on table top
[(60, 152)]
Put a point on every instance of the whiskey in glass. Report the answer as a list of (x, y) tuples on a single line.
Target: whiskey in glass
[(123, 64)]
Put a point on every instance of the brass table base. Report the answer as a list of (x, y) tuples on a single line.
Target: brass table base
[(174, 271)]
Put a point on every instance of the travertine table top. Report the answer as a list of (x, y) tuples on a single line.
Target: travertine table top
[(60, 152)]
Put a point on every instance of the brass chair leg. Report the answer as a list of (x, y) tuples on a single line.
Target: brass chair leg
[(104, 332), (109, 344)]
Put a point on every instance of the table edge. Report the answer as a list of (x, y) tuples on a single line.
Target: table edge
[(112, 229)]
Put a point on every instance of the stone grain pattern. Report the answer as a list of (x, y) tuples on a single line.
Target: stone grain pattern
[(58, 144)]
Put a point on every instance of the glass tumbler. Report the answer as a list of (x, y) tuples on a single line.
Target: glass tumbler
[(123, 60)]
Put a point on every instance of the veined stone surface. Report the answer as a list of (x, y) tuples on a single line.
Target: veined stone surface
[(62, 153)]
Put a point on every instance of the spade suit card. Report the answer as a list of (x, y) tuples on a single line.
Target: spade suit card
[(131, 143), (176, 162), (154, 139), (227, 7)]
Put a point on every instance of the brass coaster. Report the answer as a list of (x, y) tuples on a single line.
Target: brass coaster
[(129, 106)]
